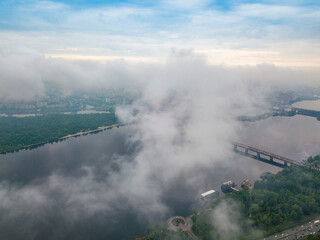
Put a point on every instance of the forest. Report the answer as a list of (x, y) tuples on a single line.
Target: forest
[(266, 115), (273, 205), (16, 133)]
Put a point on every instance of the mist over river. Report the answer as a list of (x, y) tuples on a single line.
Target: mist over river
[(66, 190), (294, 137)]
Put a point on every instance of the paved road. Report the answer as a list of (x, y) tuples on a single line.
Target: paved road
[(298, 232)]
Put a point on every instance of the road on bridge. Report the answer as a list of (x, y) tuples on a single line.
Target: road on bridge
[(271, 156)]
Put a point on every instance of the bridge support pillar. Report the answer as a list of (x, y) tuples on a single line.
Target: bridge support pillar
[(258, 155), (285, 164), (271, 159)]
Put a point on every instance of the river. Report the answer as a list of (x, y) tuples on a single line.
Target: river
[(295, 137), (311, 105)]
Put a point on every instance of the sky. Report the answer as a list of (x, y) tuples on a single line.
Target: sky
[(238, 32)]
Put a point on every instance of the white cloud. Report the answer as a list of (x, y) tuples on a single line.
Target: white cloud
[(25, 73), (149, 32)]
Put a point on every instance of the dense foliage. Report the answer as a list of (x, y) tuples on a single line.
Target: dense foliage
[(233, 222), (282, 199), (314, 161), (15, 133), (285, 197), (160, 232), (266, 115), (313, 237)]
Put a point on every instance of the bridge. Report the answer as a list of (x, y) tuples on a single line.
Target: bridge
[(306, 112), (267, 157), (300, 111)]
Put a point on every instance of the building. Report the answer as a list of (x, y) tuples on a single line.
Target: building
[(228, 187), (209, 195), (247, 184)]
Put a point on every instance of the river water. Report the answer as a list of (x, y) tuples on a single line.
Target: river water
[(312, 105), (295, 137)]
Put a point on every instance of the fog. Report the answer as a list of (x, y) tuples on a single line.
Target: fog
[(293, 137), (68, 190), (26, 73), (181, 124)]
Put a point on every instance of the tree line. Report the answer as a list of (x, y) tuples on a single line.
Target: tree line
[(16, 133)]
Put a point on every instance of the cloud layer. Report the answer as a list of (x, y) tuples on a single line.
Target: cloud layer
[(26, 73), (183, 121), (233, 33)]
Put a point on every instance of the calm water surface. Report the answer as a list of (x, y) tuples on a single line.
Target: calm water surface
[(294, 137), (312, 105)]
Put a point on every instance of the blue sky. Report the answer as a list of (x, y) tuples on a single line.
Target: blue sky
[(236, 32)]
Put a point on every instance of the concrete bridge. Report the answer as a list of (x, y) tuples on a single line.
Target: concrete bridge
[(300, 111), (306, 112), (267, 157)]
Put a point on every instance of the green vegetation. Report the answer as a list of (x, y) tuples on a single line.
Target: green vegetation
[(285, 197), (265, 116), (15, 133), (228, 219), (274, 204), (313, 237), (160, 232), (314, 161)]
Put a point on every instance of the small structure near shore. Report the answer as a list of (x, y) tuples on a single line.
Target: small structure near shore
[(246, 184), (228, 187), (209, 195)]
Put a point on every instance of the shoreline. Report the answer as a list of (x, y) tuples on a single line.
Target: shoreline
[(81, 133)]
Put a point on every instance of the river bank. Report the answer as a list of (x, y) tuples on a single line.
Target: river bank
[(81, 133)]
